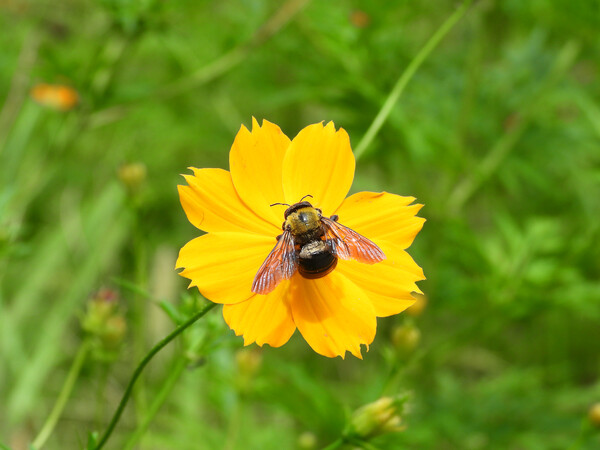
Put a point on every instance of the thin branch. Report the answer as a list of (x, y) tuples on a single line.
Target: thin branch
[(407, 75), (138, 371)]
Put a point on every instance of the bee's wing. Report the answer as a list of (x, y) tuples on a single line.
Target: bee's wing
[(280, 265), (348, 244)]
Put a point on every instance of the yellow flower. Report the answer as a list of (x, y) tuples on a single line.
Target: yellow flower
[(335, 313)]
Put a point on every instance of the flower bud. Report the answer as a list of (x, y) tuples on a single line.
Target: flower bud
[(307, 441), (377, 418), (248, 362), (417, 308), (104, 323), (406, 338), (360, 19), (99, 309), (132, 175), (594, 414), (114, 331)]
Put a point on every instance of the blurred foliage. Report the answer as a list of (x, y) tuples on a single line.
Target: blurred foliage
[(498, 135)]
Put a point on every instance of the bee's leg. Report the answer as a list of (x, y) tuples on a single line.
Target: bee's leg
[(335, 217)]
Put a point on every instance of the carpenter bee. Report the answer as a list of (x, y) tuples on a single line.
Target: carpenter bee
[(311, 244)]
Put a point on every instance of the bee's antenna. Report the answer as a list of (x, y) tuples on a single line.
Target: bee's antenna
[(284, 204), (307, 195)]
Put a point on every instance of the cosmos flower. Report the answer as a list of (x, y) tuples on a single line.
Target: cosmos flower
[(55, 96), (335, 313)]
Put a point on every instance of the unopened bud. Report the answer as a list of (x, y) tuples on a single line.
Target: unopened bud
[(248, 362), (114, 331), (99, 309), (417, 308), (360, 19), (307, 441), (406, 338), (380, 417), (133, 175), (104, 323), (594, 414)]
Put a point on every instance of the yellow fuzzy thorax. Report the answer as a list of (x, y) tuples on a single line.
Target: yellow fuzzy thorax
[(303, 220)]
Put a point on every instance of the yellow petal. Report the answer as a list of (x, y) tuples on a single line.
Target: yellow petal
[(333, 314), (223, 265), (389, 306), (388, 283), (382, 215), (256, 161), (264, 319), (399, 259), (212, 204), (319, 162)]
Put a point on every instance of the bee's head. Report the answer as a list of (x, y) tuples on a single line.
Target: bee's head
[(295, 207)]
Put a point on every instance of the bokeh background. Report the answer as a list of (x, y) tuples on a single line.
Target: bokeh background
[(498, 134)]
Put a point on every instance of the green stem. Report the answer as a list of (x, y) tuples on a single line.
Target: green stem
[(498, 153), (100, 394), (406, 76), (359, 443), (159, 399), (63, 397), (234, 426), (138, 371), (139, 303), (335, 444), (284, 14), (584, 434)]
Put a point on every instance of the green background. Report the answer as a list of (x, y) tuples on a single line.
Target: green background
[(498, 134)]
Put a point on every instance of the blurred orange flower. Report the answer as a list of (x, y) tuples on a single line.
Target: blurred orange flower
[(335, 313), (360, 19), (55, 96)]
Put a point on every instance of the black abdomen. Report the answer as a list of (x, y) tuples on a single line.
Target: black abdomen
[(315, 260)]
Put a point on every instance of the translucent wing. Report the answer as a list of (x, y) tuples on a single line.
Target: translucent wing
[(348, 244), (280, 265)]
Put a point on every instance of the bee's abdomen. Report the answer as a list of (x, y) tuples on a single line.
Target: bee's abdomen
[(315, 260)]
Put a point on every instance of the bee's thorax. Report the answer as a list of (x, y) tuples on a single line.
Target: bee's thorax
[(304, 224)]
